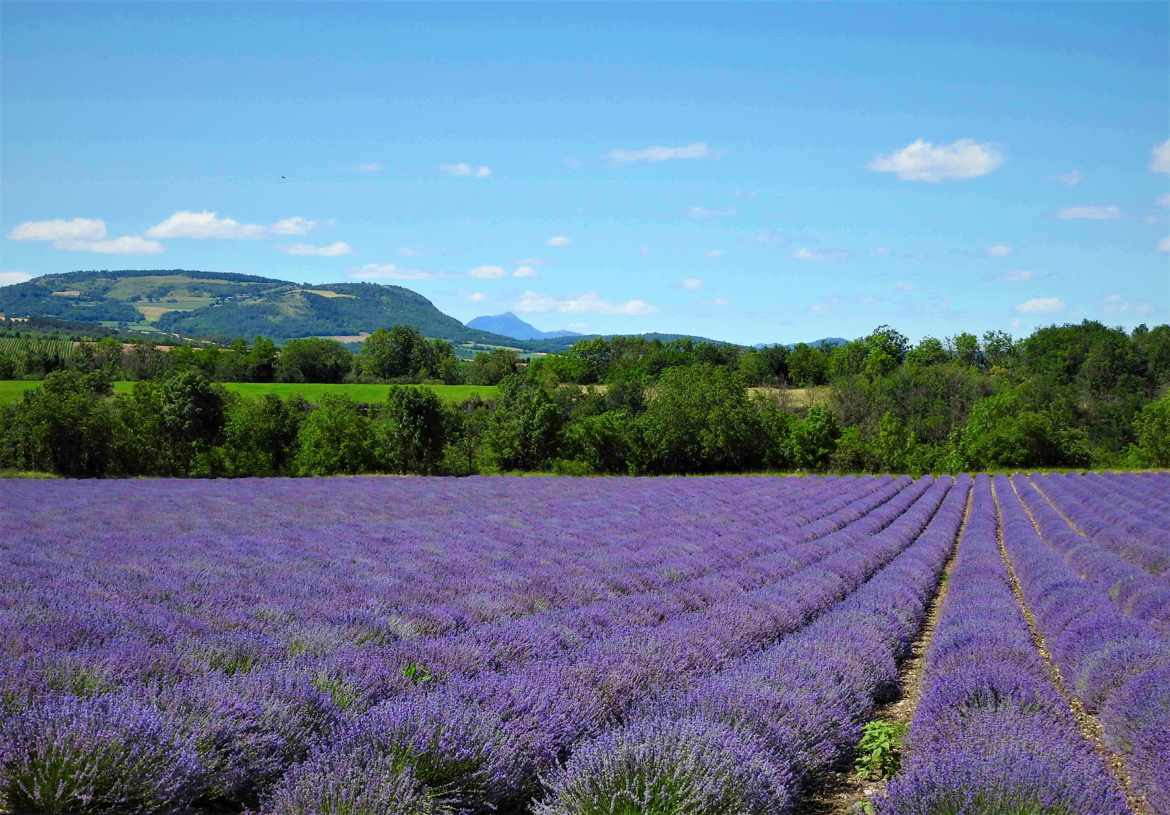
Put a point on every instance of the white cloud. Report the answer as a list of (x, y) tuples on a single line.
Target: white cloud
[(205, 224), (524, 271), (558, 241), (1164, 245), (818, 255), (388, 271), (1090, 213), (589, 303), (999, 250), (370, 167), (692, 283), (1017, 276), (1160, 157), (720, 301), (714, 253), (295, 225), (922, 161), (477, 297), (329, 250), (706, 213), (465, 170), (487, 272), (124, 245), (83, 235), (79, 229), (1069, 179), (658, 153), (12, 278), (1041, 305), (1116, 304)]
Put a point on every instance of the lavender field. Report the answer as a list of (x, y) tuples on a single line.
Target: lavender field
[(673, 646)]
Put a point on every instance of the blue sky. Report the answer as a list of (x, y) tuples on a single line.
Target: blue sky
[(753, 173)]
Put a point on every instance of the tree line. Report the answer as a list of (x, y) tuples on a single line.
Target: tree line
[(1076, 396)]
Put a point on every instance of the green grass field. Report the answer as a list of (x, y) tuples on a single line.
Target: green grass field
[(11, 390)]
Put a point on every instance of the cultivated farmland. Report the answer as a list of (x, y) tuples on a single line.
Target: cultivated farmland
[(695, 646)]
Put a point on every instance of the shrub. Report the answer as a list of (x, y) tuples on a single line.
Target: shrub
[(108, 754), (368, 782), (664, 767)]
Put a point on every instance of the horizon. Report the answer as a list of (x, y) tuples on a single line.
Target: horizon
[(754, 174)]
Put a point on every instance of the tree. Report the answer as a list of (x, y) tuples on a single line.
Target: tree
[(1153, 432), (523, 431), (928, 352), (813, 439), (602, 441), (65, 426), (412, 434), (807, 366), (313, 359), (334, 438), (260, 361), (965, 349), (492, 367), (259, 435), (699, 420), (395, 353)]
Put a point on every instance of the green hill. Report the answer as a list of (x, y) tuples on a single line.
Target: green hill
[(219, 306)]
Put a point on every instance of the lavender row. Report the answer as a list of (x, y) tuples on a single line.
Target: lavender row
[(1121, 522), (247, 728), (375, 674), (93, 622), (428, 562), (1134, 590), (1118, 666), (991, 733), (488, 742), (376, 671), (748, 738)]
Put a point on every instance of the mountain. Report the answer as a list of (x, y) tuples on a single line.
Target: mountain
[(219, 305), (509, 325)]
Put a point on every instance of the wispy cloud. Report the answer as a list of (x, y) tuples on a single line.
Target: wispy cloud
[(1163, 200), (487, 272), (1016, 276), (1116, 304), (203, 225), (389, 271), (524, 271), (295, 225), (1041, 305), (83, 235), (999, 250), (707, 213), (692, 283), (904, 286), (558, 241), (808, 255), (12, 278), (59, 229), (589, 303), (1160, 157), (657, 153), (1090, 212), (124, 245), (464, 170), (1070, 179), (371, 167), (477, 297), (1164, 245), (714, 253), (329, 250), (922, 161)]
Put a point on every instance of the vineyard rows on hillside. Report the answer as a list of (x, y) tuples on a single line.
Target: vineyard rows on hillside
[(562, 646)]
